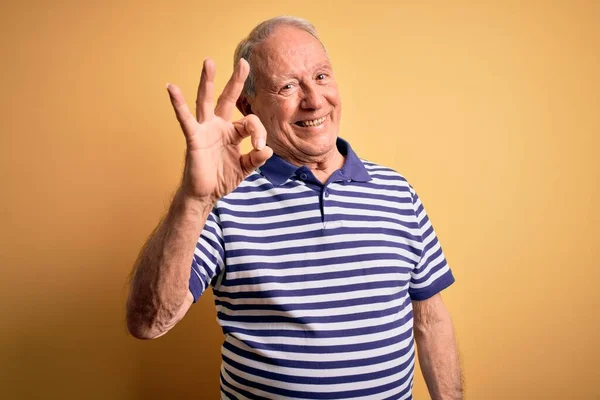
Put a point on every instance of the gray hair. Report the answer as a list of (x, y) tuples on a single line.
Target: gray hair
[(261, 32)]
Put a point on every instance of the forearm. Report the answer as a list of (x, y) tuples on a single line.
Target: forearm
[(438, 356), (160, 282)]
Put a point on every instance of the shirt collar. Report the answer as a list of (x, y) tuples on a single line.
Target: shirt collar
[(277, 170)]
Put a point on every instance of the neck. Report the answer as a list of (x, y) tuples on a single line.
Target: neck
[(321, 166)]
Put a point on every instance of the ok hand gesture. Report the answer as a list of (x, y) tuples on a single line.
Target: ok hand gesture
[(214, 165)]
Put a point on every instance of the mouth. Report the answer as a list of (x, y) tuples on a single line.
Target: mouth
[(311, 122)]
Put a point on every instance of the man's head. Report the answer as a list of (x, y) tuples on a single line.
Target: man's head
[(291, 88)]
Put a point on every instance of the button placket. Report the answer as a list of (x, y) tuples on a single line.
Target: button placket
[(327, 223)]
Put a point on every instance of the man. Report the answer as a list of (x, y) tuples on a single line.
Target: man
[(324, 267)]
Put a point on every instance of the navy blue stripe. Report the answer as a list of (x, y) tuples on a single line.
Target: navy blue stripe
[(298, 223), (264, 187), (198, 274), (319, 248), (195, 285), (434, 269), (330, 349), (211, 258), (437, 286), (358, 230), (324, 262), (372, 196), (305, 320), (325, 305), (317, 277)]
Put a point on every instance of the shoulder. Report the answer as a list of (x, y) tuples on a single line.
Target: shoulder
[(383, 175)]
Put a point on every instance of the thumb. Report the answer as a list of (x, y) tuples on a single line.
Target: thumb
[(255, 158)]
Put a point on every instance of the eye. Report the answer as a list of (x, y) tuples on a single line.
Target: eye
[(287, 87), (321, 77)]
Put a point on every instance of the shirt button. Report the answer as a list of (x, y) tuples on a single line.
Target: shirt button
[(303, 176), (326, 193)]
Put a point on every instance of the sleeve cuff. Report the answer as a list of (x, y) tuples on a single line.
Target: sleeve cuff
[(440, 284), (195, 286)]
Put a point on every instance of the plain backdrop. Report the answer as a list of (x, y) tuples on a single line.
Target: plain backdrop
[(489, 109)]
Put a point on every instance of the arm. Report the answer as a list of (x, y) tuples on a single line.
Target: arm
[(159, 295), (436, 346)]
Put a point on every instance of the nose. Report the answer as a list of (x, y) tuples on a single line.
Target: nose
[(312, 99)]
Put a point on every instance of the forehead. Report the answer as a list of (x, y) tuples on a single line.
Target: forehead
[(288, 51)]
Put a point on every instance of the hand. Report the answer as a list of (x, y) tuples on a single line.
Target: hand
[(214, 165)]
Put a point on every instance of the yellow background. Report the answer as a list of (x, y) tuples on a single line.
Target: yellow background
[(490, 109)]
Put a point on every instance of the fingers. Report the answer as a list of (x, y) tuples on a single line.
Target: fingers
[(250, 125), (255, 158), (204, 99), (232, 91), (184, 116)]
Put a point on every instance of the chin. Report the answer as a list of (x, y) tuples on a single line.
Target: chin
[(319, 144)]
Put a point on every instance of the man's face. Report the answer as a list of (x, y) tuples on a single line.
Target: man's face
[(297, 98)]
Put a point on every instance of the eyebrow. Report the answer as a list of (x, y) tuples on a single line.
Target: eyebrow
[(323, 65)]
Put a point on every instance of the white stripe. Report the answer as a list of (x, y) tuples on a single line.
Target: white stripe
[(272, 219), (353, 190), (318, 256), (302, 313), (314, 326), (337, 341), (306, 270), (273, 234), (275, 205), (431, 279), (315, 241), (322, 283)]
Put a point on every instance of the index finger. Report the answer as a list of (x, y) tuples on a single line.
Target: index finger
[(232, 91), (184, 116)]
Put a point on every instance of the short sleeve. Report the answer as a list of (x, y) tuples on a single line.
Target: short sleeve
[(207, 262), (432, 274)]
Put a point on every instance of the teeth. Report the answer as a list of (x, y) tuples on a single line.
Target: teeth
[(314, 122)]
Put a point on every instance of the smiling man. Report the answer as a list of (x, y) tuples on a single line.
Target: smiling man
[(324, 267)]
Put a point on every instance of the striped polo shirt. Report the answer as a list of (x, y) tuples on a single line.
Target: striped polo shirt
[(313, 282)]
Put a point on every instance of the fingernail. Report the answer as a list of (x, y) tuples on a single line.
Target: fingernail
[(167, 86), (260, 144)]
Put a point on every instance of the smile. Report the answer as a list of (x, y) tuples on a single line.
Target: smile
[(312, 122)]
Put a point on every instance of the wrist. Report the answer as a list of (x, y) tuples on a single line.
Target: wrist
[(192, 205)]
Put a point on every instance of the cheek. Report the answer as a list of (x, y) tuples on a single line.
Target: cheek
[(284, 113), (333, 96)]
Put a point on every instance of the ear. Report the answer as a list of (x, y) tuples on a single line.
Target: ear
[(243, 105)]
